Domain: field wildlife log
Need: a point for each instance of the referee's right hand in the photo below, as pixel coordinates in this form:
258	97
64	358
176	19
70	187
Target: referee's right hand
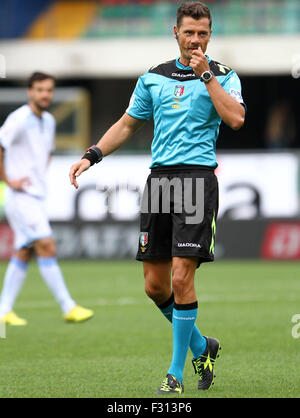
77	169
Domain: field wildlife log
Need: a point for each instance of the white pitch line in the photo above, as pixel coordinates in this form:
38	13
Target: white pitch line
130	301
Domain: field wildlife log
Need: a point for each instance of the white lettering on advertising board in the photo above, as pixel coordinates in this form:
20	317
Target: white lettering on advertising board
250	185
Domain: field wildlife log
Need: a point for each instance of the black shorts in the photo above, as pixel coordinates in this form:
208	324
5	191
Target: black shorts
179	213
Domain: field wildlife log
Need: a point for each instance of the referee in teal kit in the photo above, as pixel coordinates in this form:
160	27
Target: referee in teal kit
188	98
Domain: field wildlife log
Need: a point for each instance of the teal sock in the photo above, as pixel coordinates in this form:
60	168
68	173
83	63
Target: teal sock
198	342
167	308
183	321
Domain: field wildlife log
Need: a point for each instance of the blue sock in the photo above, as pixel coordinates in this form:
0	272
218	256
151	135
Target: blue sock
183	321
198	342
167	308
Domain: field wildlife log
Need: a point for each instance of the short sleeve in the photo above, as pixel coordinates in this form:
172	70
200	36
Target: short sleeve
53	136
233	87
140	105
9	131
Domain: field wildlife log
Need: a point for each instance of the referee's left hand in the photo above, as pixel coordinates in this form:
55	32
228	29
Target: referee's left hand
199	62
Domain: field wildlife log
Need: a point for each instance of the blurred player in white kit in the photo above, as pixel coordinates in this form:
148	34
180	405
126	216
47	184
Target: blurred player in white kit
27	139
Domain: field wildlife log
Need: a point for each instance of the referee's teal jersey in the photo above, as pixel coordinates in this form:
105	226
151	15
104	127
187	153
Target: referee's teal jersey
186	123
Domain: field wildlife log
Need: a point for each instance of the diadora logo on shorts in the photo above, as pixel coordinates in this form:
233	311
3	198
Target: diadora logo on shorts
188	244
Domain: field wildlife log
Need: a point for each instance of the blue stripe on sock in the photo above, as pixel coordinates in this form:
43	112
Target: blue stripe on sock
46	261
21	264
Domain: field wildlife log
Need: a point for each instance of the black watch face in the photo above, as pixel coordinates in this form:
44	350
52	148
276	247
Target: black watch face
206	76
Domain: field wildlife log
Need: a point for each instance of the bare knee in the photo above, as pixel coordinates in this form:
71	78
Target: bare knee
24	254
181	283
157	281
45	247
156	293
183	272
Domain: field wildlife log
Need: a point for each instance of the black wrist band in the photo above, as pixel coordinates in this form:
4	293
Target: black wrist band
93	154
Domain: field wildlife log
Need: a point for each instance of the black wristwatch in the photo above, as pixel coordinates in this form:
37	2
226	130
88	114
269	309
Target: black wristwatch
206	76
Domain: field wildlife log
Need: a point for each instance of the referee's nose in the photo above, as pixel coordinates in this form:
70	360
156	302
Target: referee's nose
195	40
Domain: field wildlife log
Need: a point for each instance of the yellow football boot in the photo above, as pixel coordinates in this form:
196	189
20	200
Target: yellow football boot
12	319
78	314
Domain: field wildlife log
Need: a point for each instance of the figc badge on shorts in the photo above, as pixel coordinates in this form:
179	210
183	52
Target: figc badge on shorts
143	241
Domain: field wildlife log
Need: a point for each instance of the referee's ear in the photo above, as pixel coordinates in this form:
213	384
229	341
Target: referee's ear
175	32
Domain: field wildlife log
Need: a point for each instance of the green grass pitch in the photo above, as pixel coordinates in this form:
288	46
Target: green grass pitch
125	350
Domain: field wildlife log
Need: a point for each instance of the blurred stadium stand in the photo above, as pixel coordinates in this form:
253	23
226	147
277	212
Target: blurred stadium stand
114	18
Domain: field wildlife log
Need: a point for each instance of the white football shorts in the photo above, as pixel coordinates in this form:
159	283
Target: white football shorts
27	217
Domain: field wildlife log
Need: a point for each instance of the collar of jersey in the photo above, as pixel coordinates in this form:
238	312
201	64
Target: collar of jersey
33	114
183	67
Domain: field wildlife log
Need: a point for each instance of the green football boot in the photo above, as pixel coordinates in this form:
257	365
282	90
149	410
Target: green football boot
204	365
170	386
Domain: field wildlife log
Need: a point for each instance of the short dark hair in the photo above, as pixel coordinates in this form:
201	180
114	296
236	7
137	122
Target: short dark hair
194	9
38	76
